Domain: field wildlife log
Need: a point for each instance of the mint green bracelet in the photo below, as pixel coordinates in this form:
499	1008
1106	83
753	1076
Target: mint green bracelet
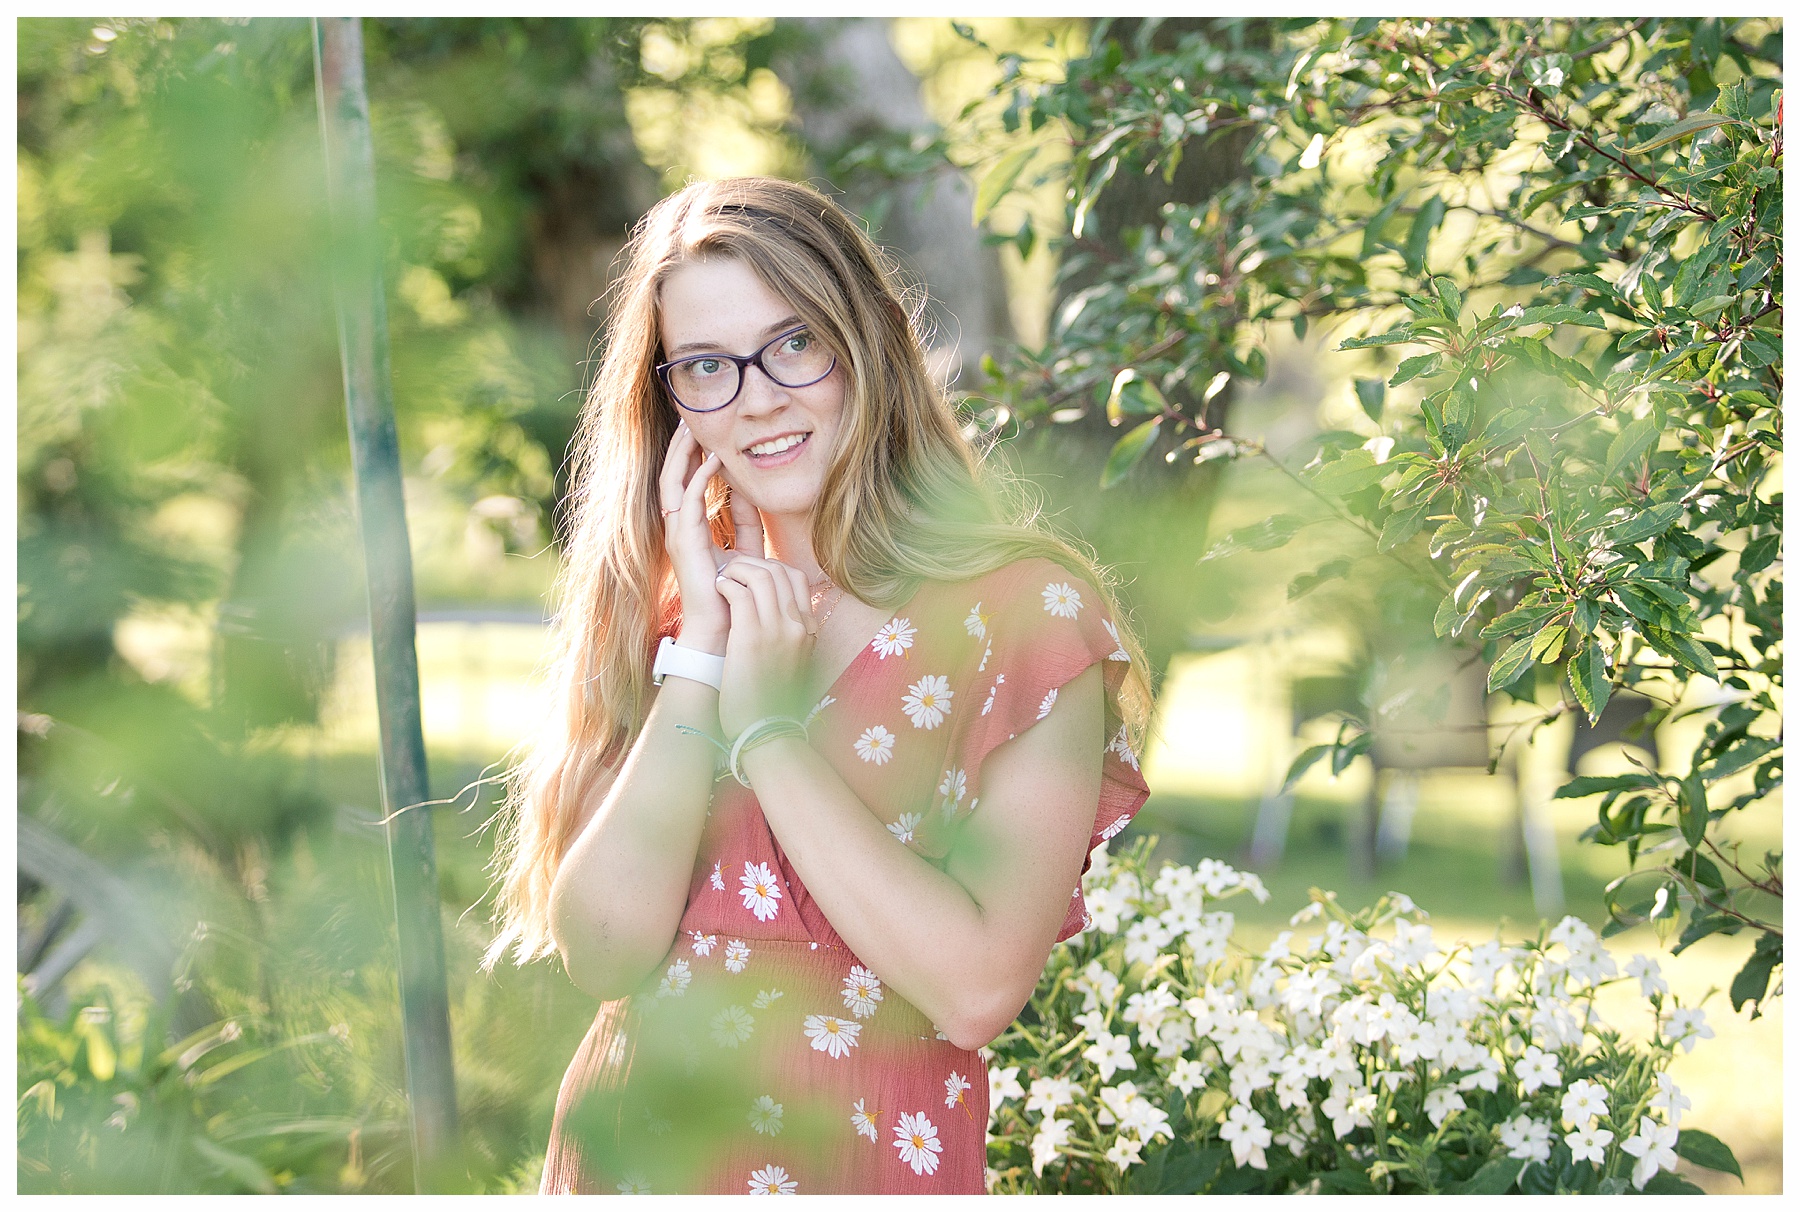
769	728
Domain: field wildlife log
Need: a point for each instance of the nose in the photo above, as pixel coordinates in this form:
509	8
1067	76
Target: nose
759	392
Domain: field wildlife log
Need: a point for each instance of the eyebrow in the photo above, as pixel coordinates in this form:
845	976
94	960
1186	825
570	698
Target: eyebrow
700	346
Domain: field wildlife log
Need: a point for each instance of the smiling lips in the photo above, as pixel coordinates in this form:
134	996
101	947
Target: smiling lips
781	449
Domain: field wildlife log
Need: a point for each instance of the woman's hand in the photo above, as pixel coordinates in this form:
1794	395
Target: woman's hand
768	653
688	539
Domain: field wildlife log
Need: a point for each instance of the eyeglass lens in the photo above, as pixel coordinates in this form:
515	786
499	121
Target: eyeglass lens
797	359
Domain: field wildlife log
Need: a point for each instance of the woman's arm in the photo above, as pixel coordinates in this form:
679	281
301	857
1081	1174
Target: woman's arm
965	945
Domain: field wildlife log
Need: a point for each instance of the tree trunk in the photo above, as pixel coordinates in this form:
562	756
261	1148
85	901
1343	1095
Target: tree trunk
849	87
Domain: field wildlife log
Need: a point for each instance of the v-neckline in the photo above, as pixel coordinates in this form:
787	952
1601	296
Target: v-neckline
867	646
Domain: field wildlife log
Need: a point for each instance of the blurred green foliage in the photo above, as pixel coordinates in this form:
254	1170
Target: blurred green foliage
1562	240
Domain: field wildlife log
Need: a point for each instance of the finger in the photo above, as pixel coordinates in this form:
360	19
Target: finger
755	576
677	465
693	497
746	524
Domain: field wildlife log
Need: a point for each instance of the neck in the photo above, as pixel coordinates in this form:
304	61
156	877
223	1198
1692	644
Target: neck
789	539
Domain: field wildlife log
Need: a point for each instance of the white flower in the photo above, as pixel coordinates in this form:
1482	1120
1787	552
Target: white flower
976	623
916	1139
902	829
1062	600
1124	1152
1555	1026
1582	1102
1173	1035
718	877
988	705
1649	975
1189	1075
894	638
1002	1085
1412	944
737	955
1688	1027
765	1115
1441	1103
1654	1147
1049	702
1144	941
1416	1039
766	998
1118	653
1110	1053
1574	934
1047	1145
817	707
1115	1102
876	744
861	991
1049	1093
1487	1077
772	1180
832	1036
927	701
1589	1144
1669	1098
863	1121
759	891
675	981
732	1026
954	786
1348	1110
1536	1068
1248	1133
633	1184
704	943
1524	1137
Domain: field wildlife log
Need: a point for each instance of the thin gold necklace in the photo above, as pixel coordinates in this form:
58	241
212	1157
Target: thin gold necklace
823	589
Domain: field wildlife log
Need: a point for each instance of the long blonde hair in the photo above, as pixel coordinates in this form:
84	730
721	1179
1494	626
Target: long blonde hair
906	499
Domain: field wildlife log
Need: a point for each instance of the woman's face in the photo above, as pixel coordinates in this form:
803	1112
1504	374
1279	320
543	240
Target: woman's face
775	442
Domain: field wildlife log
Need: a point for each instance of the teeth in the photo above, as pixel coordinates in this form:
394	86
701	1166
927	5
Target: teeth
776	445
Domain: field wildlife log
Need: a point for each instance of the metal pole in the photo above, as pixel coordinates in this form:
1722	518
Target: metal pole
381	510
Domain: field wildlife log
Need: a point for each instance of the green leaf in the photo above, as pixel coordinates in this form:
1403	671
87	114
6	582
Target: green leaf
1561	314
1759	553
1449	297
1587	678
1128	450
1693	124
1667	1182
1590	784
1412	368
1306	582
1693	809
1351	472
1651	522
1683	649
1132	393
1495	1178
999	179
1418	238
1705	1149
1402	526
1751	984
1512	662
1266	535
1546	645
1632	441
247	1171
1371	394
1300	765
1398	336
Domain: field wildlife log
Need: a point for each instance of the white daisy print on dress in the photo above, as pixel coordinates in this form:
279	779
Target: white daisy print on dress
954	786
675	980
759	891
902	829
876	745
633	1184
772	1180
718	876
1113	830
731	1026
976	623
765	1115
955	1086
1118	653
862	991
916	1139
865	1122
999	681
986	652
831	1035
1121	745
894	638
1049	702
766	998
819	706
1062	599
927	701
737	954
704	943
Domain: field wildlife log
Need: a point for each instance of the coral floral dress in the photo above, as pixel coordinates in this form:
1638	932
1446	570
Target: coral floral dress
768	1058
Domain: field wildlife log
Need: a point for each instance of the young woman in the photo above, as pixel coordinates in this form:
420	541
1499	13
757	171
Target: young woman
834	735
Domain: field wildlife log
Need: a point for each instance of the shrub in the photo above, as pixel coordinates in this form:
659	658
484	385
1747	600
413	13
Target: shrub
1159	1055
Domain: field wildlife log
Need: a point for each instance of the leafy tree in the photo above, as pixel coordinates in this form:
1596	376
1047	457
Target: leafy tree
1560	242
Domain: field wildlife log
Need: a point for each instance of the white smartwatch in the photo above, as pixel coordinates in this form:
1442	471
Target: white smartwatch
696	666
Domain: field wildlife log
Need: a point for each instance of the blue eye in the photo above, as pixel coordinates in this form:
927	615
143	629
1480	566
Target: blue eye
705	366
797	343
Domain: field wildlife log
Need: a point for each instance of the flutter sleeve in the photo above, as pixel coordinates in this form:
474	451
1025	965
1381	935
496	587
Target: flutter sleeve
1036	626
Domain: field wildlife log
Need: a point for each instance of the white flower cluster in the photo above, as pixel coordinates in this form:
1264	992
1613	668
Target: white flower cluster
1154	1024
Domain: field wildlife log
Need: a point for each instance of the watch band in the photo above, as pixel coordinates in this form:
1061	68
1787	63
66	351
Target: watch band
696	666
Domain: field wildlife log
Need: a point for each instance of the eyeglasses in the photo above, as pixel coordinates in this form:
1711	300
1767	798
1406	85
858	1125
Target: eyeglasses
709	382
